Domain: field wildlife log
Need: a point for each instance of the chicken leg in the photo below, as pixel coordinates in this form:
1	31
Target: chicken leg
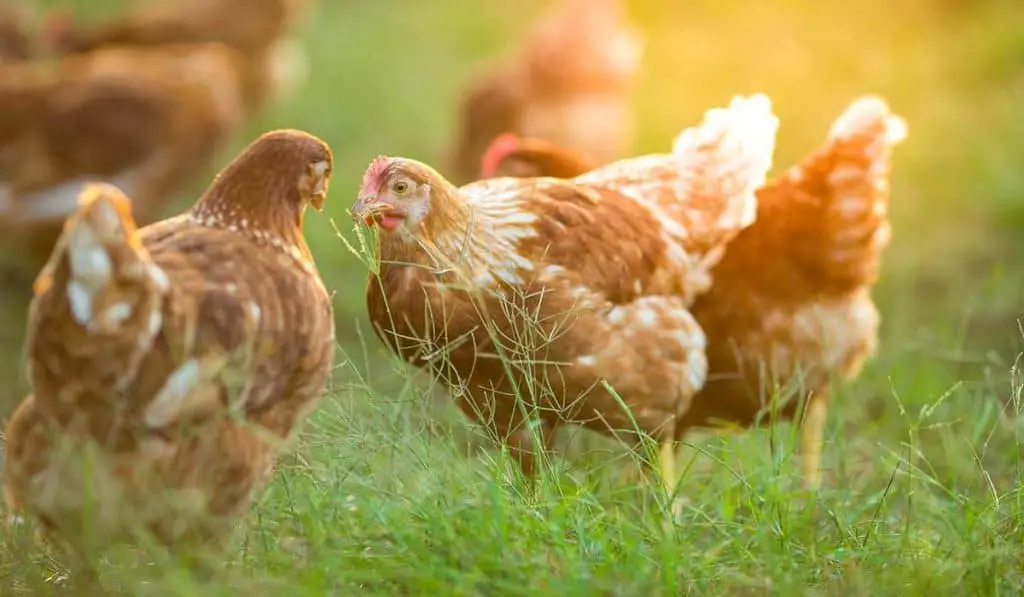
667	468
521	447
812	433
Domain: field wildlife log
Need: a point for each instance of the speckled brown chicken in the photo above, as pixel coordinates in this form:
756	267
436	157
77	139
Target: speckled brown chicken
177	357
536	292
148	121
569	82
257	29
789	306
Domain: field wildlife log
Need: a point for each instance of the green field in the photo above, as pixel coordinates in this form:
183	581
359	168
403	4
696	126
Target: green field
391	493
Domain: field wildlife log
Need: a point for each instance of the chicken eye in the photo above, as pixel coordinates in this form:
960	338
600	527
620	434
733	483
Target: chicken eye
400	187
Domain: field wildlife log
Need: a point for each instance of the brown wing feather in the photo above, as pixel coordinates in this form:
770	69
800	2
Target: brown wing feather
610	240
273	323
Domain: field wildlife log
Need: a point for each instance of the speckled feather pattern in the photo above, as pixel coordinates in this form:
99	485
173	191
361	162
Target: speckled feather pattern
184	353
791	306
575	282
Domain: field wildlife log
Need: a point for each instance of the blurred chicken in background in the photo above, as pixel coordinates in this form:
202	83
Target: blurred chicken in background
148	120
258	29
568	83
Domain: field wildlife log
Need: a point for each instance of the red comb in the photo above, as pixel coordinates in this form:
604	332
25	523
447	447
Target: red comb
373	174
500	148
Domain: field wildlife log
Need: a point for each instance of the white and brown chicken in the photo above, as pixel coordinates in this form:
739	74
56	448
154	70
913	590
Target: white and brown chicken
562	296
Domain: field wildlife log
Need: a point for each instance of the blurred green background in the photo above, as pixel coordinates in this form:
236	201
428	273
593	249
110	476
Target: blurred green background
384	77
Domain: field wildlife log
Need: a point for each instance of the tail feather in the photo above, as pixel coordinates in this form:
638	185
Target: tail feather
870	113
101	226
850	178
860	146
97	305
724	160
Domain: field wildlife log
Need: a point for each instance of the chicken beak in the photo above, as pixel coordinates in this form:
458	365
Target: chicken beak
368	206
360	210
318	200
321	182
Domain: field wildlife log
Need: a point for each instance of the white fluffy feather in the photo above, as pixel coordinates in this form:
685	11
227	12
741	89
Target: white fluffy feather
729	155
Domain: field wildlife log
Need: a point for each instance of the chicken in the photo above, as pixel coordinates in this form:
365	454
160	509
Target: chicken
557	291
177	357
568	83
146	120
790	302
257	29
806	314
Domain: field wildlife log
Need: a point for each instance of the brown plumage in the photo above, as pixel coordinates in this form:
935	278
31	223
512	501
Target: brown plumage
256	29
568	83
146	120
178	356
791	303
789	306
16	40
541	289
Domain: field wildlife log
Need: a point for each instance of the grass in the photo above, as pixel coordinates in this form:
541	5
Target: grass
389	492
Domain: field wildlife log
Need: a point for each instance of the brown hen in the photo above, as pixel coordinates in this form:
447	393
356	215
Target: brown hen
568	83
176	357
790	306
257	29
145	120
563	295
